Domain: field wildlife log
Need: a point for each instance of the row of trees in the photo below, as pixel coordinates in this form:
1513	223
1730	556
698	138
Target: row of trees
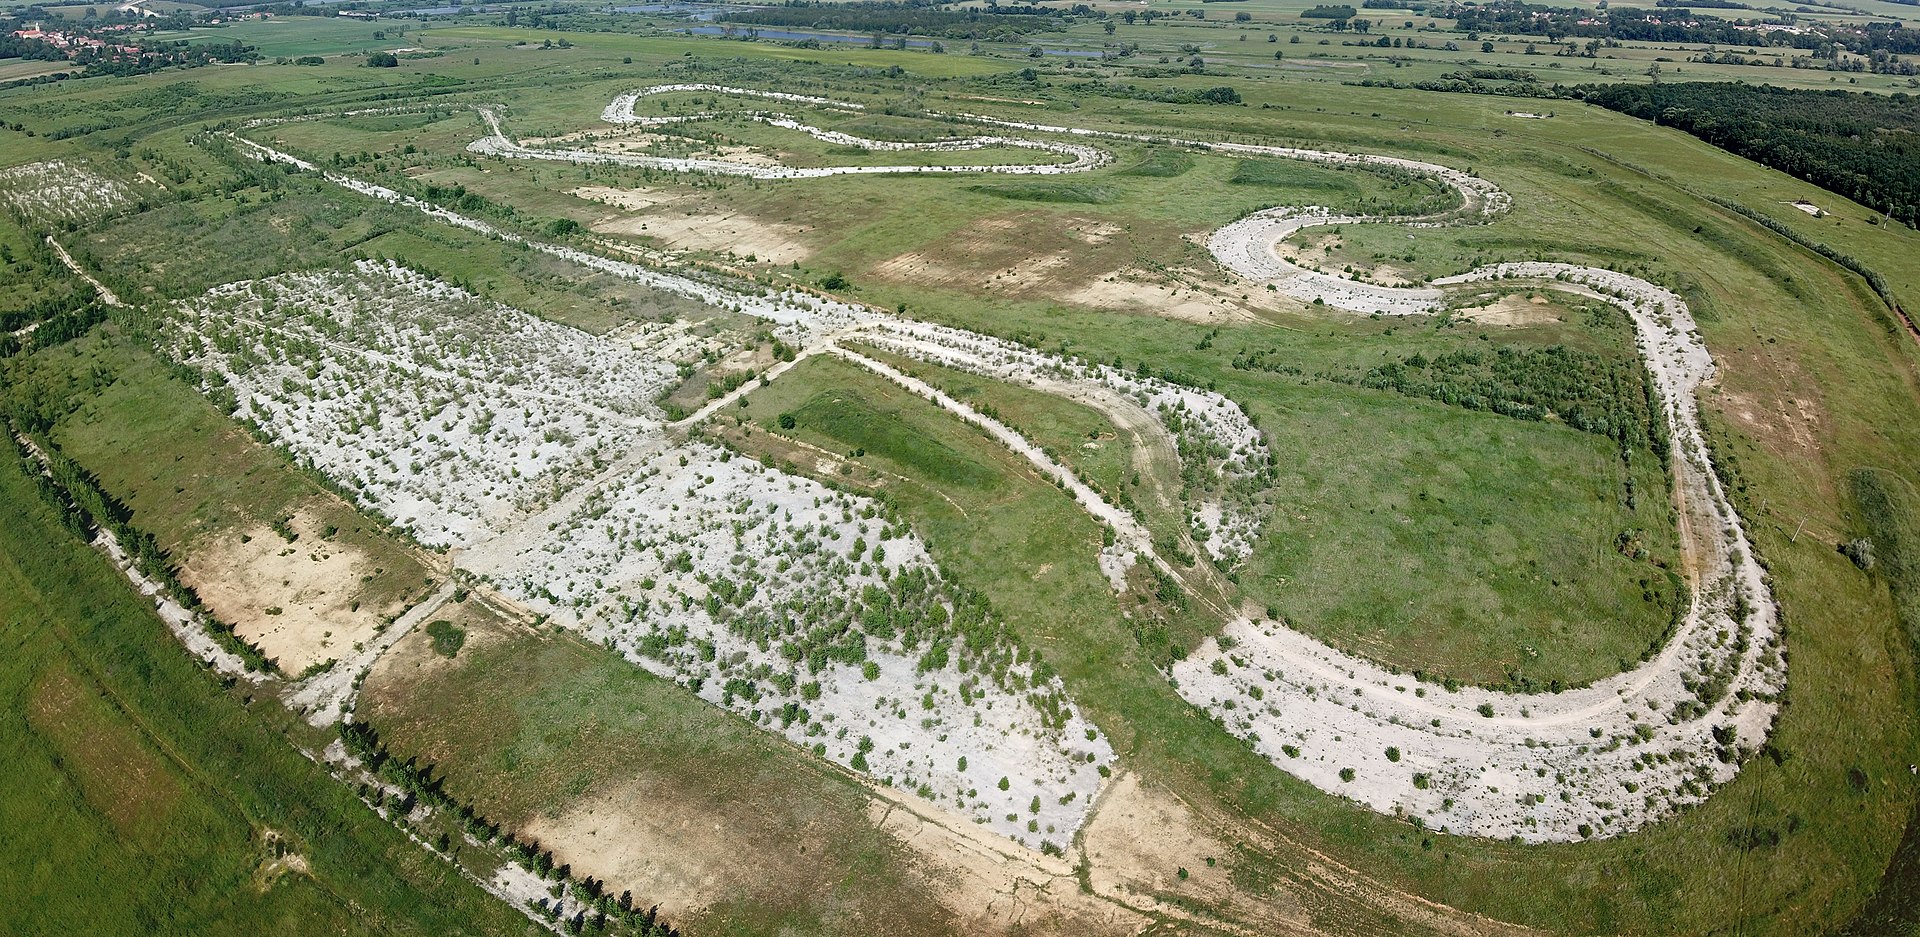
418	785
85	507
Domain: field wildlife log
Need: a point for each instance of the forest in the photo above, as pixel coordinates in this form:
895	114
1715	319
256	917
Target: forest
1862	146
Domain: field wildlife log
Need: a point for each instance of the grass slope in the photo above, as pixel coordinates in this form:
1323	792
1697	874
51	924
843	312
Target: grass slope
137	795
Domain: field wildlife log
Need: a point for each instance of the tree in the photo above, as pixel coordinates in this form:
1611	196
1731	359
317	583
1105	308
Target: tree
383	60
1486	47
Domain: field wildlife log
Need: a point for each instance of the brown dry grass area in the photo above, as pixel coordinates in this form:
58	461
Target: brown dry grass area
691	394
1017	254
118	775
300	601
689	849
1767	394
1082	260
625	199
413	658
1184	295
1329	253
1514	310
736	233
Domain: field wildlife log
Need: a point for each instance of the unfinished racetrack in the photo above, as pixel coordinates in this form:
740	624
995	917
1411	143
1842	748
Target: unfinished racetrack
1594	761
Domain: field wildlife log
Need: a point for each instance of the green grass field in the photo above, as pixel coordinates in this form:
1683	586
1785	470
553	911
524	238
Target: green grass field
142	798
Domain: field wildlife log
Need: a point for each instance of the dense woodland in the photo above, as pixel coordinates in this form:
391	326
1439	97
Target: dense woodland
1863	146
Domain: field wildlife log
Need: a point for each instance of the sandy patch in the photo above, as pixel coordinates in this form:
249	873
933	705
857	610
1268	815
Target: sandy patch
298	601
646	836
992	889
1512	310
1092	231
730	232
1139	839
1136	290
629	199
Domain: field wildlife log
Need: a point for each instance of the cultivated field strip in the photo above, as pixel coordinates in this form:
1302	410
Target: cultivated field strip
1595	761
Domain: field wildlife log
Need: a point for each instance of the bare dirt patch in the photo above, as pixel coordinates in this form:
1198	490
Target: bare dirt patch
1136	290
728	232
1020	254
300	601
992	888
629	199
1142	841
1517	309
414	658
1080	260
647	836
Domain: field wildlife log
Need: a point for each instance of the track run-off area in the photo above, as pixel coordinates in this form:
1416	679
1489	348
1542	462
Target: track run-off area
1594	761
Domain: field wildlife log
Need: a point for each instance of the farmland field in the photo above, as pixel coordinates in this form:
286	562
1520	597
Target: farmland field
926	470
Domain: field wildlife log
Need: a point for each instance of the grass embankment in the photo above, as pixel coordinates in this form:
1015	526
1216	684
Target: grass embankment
1891	511
139	797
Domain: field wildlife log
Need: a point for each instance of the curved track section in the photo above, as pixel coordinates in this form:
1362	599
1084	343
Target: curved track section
1079	158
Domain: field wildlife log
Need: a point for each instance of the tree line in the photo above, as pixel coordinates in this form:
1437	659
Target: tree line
1863	146
910	18
417	784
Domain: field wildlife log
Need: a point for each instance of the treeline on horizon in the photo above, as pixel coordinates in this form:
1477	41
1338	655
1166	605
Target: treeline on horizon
1863	146
1675	22
912	17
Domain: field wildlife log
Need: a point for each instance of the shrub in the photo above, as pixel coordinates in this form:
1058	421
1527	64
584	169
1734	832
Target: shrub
447	638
